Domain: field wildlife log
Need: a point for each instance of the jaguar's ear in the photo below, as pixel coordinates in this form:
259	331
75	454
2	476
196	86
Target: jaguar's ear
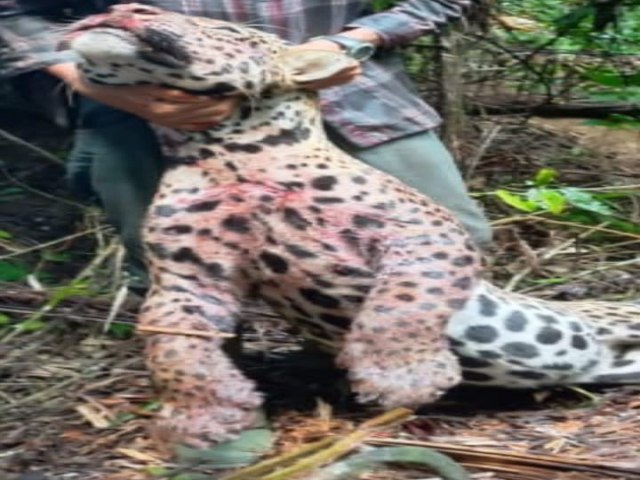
306	66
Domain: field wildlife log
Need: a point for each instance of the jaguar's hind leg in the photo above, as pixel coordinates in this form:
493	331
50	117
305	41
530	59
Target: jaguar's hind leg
397	352
510	340
617	327
620	366
614	323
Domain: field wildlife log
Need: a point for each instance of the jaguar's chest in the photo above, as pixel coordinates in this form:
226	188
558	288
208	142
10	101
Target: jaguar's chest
308	255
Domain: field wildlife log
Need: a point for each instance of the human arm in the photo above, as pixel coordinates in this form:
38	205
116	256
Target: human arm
159	105
393	27
409	20
27	41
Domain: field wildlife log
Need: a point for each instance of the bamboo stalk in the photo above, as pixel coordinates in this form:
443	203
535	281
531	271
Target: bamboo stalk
336	448
254	470
341	447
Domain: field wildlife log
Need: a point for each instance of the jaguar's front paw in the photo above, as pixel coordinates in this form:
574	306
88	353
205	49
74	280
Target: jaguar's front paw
400	381
200	424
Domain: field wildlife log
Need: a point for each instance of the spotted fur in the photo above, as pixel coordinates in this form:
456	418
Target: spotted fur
264	204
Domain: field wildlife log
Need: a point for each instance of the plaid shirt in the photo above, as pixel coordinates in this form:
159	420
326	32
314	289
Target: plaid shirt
379	106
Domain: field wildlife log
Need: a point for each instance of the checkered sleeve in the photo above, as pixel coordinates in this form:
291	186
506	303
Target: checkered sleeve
28	43
411	19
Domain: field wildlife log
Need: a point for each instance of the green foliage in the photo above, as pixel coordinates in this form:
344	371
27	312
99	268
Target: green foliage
616	121
11	193
30	325
382	4
124	417
244	450
249	447
122	331
13	270
578	25
606	30
611	86
569	203
35	322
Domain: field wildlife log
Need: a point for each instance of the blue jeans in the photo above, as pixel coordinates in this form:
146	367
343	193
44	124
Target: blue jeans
116	160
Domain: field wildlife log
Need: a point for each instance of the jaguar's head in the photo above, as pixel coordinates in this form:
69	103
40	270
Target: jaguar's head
137	44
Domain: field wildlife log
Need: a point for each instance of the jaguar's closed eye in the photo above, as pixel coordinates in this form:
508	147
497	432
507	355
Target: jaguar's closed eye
228	28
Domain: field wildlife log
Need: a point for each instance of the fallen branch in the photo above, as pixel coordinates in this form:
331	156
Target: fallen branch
542	108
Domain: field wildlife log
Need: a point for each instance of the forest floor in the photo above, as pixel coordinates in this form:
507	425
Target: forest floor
75	399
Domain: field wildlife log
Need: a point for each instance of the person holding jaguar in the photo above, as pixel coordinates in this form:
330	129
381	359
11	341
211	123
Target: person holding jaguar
372	112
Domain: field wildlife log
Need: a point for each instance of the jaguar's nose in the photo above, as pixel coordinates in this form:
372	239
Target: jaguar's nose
135	9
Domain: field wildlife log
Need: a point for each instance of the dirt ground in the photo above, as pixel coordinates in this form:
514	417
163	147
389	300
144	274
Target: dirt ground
622	147
76	403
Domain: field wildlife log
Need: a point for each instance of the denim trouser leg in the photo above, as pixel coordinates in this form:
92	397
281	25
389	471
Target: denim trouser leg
117	156
424	163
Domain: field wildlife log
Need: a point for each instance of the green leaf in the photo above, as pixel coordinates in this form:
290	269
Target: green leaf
122	331
585	201
548	199
616	122
574	17
73	289
611	78
4	320
52	256
246	449
157	471
13	271
28	326
545	176
623	225
549	281
7	192
626	95
381	4
5	235
516	201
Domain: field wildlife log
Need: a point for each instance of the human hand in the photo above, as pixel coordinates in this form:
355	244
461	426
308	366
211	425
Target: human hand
342	77
164	106
160	105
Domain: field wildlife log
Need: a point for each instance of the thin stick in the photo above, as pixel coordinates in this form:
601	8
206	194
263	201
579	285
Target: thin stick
486	142
42	395
40	193
43	153
525	218
517	278
147	330
52	242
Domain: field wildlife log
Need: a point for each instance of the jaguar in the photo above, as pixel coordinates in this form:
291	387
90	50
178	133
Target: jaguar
263	204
